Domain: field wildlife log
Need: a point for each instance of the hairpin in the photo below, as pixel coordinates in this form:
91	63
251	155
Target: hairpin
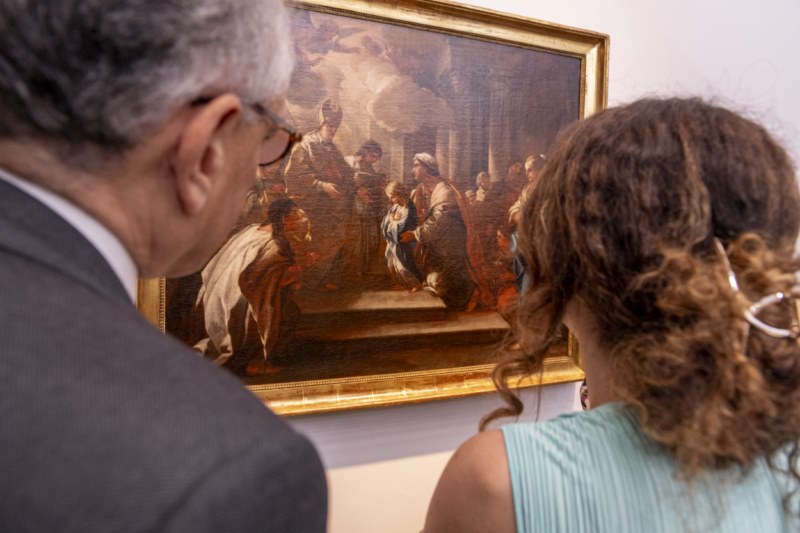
751	313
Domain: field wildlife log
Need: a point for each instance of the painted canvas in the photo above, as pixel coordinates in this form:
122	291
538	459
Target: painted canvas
382	246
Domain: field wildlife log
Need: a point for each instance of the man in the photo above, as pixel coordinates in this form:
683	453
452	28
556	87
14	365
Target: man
484	215
321	182
267	187
369	207
533	165
442	237
515	177
129	132
247	307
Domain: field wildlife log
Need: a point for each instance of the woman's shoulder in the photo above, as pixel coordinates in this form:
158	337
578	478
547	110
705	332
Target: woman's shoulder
474	492
600	434
603	464
603	419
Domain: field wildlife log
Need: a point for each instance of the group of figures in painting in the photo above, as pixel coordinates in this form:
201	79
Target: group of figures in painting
320	222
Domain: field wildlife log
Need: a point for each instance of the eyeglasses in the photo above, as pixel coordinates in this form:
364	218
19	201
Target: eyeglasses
279	139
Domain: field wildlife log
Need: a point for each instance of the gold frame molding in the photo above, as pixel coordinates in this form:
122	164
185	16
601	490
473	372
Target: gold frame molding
328	395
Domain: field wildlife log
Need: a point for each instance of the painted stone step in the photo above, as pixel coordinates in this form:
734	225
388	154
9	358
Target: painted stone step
480	327
336	309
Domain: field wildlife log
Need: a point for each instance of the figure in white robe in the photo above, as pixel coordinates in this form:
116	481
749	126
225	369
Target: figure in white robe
321	182
246	289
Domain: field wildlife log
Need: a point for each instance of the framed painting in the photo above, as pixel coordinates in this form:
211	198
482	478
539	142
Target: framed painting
372	266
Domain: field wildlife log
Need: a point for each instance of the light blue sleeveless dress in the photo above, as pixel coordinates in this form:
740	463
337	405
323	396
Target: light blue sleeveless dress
596	471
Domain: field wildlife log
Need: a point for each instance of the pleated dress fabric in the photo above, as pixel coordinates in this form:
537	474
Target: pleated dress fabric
596	471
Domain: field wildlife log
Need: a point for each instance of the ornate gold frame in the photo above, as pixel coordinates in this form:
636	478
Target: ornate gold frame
390	389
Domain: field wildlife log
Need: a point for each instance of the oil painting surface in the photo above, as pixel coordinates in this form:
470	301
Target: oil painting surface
384	242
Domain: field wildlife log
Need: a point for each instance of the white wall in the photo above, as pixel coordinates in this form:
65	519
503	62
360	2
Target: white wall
383	463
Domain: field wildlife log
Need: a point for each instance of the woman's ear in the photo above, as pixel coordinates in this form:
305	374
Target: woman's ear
199	157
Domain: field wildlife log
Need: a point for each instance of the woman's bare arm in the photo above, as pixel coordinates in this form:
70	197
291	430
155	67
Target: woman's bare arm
474	492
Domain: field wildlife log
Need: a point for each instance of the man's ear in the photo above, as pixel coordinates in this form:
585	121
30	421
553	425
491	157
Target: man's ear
199	156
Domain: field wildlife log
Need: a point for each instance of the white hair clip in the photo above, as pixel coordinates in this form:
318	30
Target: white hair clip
751	313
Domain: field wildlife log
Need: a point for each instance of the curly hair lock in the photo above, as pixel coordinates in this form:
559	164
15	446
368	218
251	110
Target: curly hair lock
624	217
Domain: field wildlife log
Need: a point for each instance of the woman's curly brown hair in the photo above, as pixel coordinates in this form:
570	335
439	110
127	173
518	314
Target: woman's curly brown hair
625	217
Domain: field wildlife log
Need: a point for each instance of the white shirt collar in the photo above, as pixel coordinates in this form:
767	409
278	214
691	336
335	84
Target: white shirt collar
103	240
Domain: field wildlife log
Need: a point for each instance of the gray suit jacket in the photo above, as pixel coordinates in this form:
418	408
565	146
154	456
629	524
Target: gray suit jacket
107	425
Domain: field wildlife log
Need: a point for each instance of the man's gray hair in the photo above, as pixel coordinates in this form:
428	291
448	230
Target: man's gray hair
101	75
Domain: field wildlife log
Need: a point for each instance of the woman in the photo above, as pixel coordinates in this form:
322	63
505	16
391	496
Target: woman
401	216
445	236
662	233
